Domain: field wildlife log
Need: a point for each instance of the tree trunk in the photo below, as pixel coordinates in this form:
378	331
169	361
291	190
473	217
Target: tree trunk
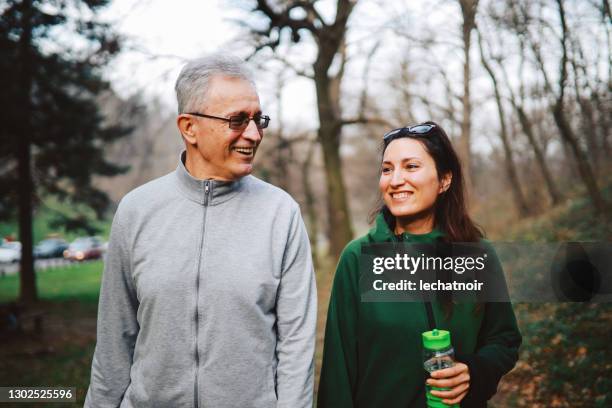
330	43
283	150
468	10
28	293
582	162
590	131
567	134
588	116
339	227
527	127
519	198
605	123
329	134
311	211
338	217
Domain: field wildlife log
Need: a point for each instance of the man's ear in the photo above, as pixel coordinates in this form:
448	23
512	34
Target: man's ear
445	182
187	126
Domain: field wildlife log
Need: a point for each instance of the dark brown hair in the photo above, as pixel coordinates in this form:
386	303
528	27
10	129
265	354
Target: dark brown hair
451	215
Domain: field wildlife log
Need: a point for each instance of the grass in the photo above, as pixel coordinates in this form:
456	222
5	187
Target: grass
61	354
73	282
61	362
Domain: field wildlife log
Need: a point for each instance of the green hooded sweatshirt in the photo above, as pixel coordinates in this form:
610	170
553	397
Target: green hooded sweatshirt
373	350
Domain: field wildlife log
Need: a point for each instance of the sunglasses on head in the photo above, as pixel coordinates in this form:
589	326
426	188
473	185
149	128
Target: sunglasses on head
409	130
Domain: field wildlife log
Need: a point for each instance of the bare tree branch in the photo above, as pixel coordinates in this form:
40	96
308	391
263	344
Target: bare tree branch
282	19
298	71
364	120
366	72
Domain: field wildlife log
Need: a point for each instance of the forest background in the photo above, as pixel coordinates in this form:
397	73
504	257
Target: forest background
522	87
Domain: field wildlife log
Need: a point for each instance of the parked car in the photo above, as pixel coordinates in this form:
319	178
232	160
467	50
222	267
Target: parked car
84	248
50	248
10	252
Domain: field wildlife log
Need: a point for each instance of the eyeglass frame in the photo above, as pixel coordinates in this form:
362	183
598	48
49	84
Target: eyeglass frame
411	130
245	123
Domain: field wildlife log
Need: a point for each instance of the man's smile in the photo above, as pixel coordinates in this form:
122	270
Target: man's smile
245	151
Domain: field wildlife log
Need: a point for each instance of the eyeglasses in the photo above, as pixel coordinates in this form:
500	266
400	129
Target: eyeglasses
239	122
411	130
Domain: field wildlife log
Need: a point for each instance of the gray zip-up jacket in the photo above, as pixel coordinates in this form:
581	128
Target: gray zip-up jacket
208	299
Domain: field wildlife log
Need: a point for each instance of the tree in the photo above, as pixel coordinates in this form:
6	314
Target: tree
519	198
330	41
52	131
468	11
309	199
558	101
516	22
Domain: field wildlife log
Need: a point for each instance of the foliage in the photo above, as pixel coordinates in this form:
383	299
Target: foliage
49	109
565	358
53	133
566	348
46	213
572	221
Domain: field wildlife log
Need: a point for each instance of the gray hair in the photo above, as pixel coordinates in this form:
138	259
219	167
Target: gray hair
192	83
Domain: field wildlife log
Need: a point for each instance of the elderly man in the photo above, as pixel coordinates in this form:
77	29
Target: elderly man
208	296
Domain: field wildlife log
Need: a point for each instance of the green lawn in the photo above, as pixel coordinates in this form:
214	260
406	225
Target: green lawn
61	354
78	281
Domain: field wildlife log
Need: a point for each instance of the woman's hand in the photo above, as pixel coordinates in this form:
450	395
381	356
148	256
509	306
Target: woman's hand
455	378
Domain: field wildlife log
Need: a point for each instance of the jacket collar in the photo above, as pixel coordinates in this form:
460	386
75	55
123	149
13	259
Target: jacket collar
382	233
195	189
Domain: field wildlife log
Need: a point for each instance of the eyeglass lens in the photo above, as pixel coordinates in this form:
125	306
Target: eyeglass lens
420	129
239	122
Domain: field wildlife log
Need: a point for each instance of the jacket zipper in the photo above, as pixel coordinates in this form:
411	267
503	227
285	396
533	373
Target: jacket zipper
197	320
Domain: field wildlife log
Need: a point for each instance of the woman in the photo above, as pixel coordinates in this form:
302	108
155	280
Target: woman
372	353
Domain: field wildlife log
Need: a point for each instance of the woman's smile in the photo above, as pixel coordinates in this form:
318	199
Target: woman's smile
401	196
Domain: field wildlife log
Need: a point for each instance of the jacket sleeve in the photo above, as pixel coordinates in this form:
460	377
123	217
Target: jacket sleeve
337	385
497	347
117	327
296	310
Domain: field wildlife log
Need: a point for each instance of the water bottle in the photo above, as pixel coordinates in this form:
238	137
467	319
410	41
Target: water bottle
437	355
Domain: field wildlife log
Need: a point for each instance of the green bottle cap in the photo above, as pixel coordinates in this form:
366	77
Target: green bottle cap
436	339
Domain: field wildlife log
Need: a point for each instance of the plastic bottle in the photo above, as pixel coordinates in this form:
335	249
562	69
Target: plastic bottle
438	354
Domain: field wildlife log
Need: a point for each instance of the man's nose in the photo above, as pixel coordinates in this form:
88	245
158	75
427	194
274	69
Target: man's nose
397	179
252	132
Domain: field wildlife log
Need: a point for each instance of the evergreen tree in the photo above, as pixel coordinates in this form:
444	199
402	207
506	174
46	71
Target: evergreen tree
52	133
